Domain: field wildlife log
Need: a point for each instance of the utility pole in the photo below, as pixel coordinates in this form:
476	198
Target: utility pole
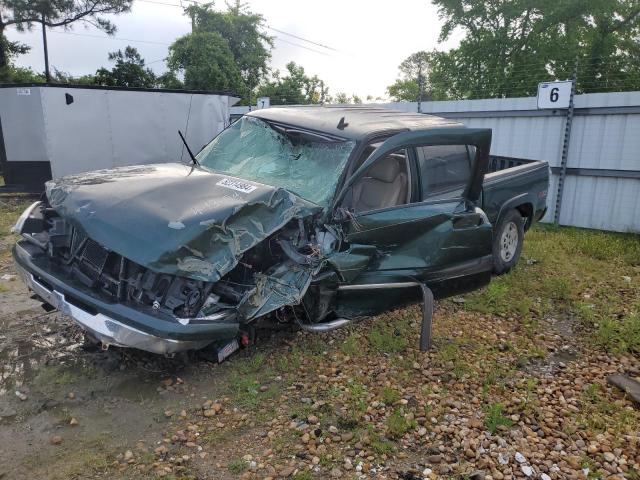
47	73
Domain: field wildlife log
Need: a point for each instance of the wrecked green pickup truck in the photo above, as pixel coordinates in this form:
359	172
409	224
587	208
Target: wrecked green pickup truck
313	216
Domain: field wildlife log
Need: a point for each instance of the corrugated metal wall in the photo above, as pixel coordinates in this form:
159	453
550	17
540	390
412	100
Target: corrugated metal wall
605	140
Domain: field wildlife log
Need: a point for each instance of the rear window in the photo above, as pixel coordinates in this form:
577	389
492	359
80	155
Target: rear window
445	170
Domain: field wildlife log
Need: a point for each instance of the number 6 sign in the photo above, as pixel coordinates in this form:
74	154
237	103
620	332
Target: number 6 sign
554	94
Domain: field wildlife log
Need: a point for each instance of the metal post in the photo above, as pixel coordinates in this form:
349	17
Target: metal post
420	81
427	318
47	74
565	148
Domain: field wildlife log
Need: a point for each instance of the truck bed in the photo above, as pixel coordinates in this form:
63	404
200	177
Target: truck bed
515	183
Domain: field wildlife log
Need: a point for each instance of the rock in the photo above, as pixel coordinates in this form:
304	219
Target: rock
286	471
55	440
422	431
209	413
128	455
21	396
527	470
609	457
627	384
544	476
346	437
168	413
503	459
520	458
71	395
434	459
336	472
312	419
73	422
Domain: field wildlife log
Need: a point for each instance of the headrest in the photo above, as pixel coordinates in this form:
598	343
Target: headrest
386	169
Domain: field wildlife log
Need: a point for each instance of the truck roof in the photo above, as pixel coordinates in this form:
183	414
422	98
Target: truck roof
360	121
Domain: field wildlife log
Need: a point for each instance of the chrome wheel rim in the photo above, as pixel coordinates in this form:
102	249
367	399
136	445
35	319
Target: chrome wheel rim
509	242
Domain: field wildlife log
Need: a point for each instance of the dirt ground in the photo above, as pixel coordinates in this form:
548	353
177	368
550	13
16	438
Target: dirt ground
514	386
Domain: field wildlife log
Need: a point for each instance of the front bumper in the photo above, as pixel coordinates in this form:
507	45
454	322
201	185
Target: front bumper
114	323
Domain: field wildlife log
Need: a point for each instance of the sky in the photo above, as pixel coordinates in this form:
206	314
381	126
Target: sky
368	39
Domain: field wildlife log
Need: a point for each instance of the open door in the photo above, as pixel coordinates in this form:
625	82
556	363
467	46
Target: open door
439	237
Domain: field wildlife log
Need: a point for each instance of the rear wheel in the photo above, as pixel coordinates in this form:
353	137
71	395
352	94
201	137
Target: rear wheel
507	242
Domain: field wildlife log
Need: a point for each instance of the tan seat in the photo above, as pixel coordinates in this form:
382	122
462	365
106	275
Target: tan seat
384	185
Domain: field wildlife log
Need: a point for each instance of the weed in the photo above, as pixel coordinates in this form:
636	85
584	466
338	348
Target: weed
390	396
600	414
351	346
250	364
306	475
398	425
289	362
356	404
493	417
620	336
387	340
449	352
557	288
378	444
246	391
238	466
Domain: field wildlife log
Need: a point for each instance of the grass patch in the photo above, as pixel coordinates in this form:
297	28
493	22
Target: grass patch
246	391
390	396
351	346
398	425
238	466
289	362
619	336
493	418
386	340
599	414
378	444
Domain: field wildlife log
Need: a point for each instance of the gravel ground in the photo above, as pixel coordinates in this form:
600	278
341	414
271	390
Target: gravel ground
515	386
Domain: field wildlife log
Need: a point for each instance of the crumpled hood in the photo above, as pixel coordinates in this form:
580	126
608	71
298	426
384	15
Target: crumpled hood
174	218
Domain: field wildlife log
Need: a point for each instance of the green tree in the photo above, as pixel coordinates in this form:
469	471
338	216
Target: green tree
129	71
341	98
296	88
170	80
511	45
206	61
241	29
416	79
25	14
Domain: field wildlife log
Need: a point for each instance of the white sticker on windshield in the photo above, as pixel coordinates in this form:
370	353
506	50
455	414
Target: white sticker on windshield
237	185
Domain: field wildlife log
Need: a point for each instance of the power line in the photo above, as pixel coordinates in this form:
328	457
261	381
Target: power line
108	37
282	32
303	39
302	46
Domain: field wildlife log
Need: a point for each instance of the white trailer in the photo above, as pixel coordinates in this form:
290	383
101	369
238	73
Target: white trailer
47	131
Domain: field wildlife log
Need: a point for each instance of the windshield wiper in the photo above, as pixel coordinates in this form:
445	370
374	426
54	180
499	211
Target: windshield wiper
193	158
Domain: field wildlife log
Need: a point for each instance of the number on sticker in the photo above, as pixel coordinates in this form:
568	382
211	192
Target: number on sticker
553	96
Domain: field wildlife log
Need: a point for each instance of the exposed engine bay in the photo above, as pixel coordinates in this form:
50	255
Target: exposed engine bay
297	247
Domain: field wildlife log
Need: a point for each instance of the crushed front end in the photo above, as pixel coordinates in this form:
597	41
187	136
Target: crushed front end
122	303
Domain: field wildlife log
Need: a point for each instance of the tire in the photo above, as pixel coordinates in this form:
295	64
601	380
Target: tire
507	242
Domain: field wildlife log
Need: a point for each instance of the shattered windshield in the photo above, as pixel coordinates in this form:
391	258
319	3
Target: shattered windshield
305	163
